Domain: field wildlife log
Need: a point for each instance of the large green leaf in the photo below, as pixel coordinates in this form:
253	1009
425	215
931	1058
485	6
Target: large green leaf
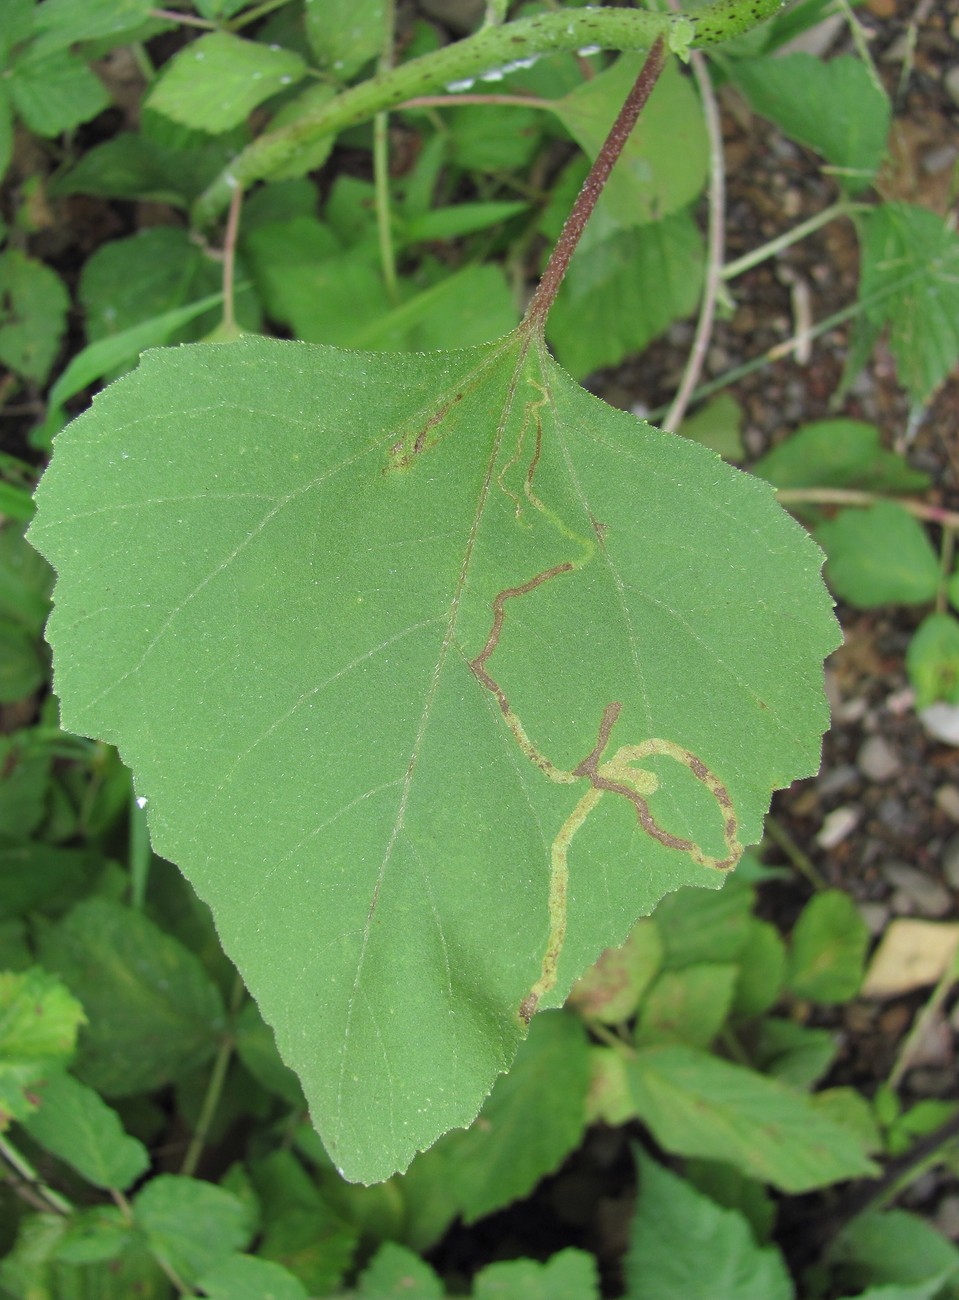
379	634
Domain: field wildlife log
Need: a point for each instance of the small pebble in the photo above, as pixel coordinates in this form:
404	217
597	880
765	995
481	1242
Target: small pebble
837	825
941	721
877	760
947	800
837	780
916	891
951	83
946	1217
950	861
875	915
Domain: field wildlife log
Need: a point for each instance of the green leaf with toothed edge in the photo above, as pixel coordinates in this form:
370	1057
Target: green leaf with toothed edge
385	639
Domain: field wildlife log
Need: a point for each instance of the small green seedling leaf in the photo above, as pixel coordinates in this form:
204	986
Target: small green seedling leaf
214	83
894	1247
397	1272
794	1054
153	1011
610	991
726	1264
718	425
568	1275
345	37
244	1277
73	1123
447	629
695	927
39	1020
910	282
838	453
532	1120
191	1226
932	660
836	108
604	310
698	1105
687	1006
55	92
761	969
300	1228
33	314
879	556
828	949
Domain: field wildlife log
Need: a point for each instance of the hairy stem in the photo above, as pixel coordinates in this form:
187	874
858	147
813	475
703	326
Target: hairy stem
491	47
593	185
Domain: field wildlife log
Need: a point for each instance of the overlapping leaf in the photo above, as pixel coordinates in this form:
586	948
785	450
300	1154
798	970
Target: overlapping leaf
346	615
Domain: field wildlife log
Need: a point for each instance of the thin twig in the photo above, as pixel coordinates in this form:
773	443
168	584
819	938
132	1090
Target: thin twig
453	101
188	20
381	165
823	496
800	860
911	1043
715	245
790	237
214	1089
229	259
542	300
28	1183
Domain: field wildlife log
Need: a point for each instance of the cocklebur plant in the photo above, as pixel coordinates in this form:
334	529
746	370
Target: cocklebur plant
434	672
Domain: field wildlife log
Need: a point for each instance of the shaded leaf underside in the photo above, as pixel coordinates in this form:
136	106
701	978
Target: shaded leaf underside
319	599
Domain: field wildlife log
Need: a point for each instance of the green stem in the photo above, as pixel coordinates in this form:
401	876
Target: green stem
214	1088
923	1021
492	47
784	241
381	167
800	860
28	1182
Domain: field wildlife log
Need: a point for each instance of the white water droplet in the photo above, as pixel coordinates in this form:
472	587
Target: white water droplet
141	801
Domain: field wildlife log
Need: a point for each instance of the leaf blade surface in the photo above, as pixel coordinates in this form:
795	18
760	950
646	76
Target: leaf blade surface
280	567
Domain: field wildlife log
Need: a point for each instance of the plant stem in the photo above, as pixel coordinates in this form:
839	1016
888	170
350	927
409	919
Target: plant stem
714	245
493	46
454	101
800	860
545	295
923	1021
188	20
381	167
214	1088
947	554
252	15
229	259
30	1185
784	241
827	496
